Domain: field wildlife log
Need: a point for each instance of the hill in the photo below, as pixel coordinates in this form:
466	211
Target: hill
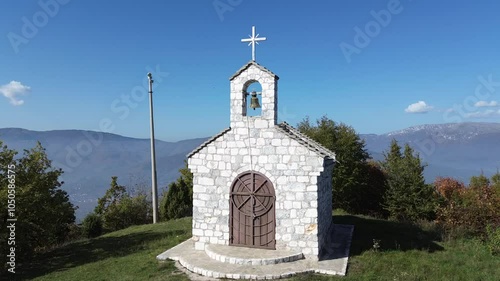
89	160
405	252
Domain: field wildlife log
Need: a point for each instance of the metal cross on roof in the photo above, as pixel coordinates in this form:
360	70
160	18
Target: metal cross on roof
253	40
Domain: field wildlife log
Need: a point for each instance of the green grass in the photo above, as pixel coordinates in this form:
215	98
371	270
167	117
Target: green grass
128	254
410	253
406	253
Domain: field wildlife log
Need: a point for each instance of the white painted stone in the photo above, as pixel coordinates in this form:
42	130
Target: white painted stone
273	159
204	197
262	159
299	229
311	188
195	161
198	203
311	213
286	159
206	181
199	188
281	180
198	232
302	191
260	124
303	179
286	237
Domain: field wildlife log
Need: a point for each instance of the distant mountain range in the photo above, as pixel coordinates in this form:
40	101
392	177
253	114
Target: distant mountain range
458	150
89	159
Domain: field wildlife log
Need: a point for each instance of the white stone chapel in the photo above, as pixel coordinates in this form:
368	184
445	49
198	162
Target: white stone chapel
260	184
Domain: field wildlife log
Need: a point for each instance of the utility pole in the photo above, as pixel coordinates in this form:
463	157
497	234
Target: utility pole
153	157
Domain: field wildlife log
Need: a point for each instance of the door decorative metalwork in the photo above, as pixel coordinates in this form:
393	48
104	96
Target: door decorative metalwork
252	220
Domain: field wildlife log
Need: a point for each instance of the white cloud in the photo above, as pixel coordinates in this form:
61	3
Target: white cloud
484	114
418	107
13	90
483	103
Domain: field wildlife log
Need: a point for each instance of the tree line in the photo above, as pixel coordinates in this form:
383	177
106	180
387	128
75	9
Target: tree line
395	188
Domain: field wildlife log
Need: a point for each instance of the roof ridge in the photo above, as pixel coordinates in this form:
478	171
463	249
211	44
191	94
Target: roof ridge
244	67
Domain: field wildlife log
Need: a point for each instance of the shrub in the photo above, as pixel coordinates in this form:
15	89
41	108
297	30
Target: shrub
177	203
493	239
449	188
92	225
468	211
118	209
127	212
75	232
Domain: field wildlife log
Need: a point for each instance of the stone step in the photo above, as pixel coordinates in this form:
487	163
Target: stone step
240	255
199	262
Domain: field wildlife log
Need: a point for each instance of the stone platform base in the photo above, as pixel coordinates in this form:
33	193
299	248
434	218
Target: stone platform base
219	261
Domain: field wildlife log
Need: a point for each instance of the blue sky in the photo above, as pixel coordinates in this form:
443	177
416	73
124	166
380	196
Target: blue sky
378	66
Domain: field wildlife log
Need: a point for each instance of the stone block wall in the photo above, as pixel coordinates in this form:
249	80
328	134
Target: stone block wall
295	171
239	85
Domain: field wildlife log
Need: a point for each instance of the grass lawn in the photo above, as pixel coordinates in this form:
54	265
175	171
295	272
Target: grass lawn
405	253
128	254
410	253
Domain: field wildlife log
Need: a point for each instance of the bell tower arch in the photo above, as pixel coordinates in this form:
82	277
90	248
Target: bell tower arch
250	73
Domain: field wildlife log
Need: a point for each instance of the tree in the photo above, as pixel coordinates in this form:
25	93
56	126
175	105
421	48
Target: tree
177	202
113	195
408	197
43	209
449	188
351	182
92	225
478	182
373	196
495	183
118	209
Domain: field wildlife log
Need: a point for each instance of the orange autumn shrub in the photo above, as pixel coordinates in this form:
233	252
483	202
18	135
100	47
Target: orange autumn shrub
467	211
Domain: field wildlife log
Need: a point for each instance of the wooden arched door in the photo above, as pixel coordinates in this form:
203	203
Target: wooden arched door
252	213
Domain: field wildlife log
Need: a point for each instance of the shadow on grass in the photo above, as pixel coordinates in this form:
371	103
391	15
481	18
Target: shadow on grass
88	251
389	235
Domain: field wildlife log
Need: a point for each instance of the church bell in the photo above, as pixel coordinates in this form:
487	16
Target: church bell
254	101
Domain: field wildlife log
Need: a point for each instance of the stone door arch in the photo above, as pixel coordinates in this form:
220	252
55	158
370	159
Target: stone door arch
252	220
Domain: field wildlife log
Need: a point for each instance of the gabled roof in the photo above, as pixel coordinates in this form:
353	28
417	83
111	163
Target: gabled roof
305	140
207	142
288	130
243	68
